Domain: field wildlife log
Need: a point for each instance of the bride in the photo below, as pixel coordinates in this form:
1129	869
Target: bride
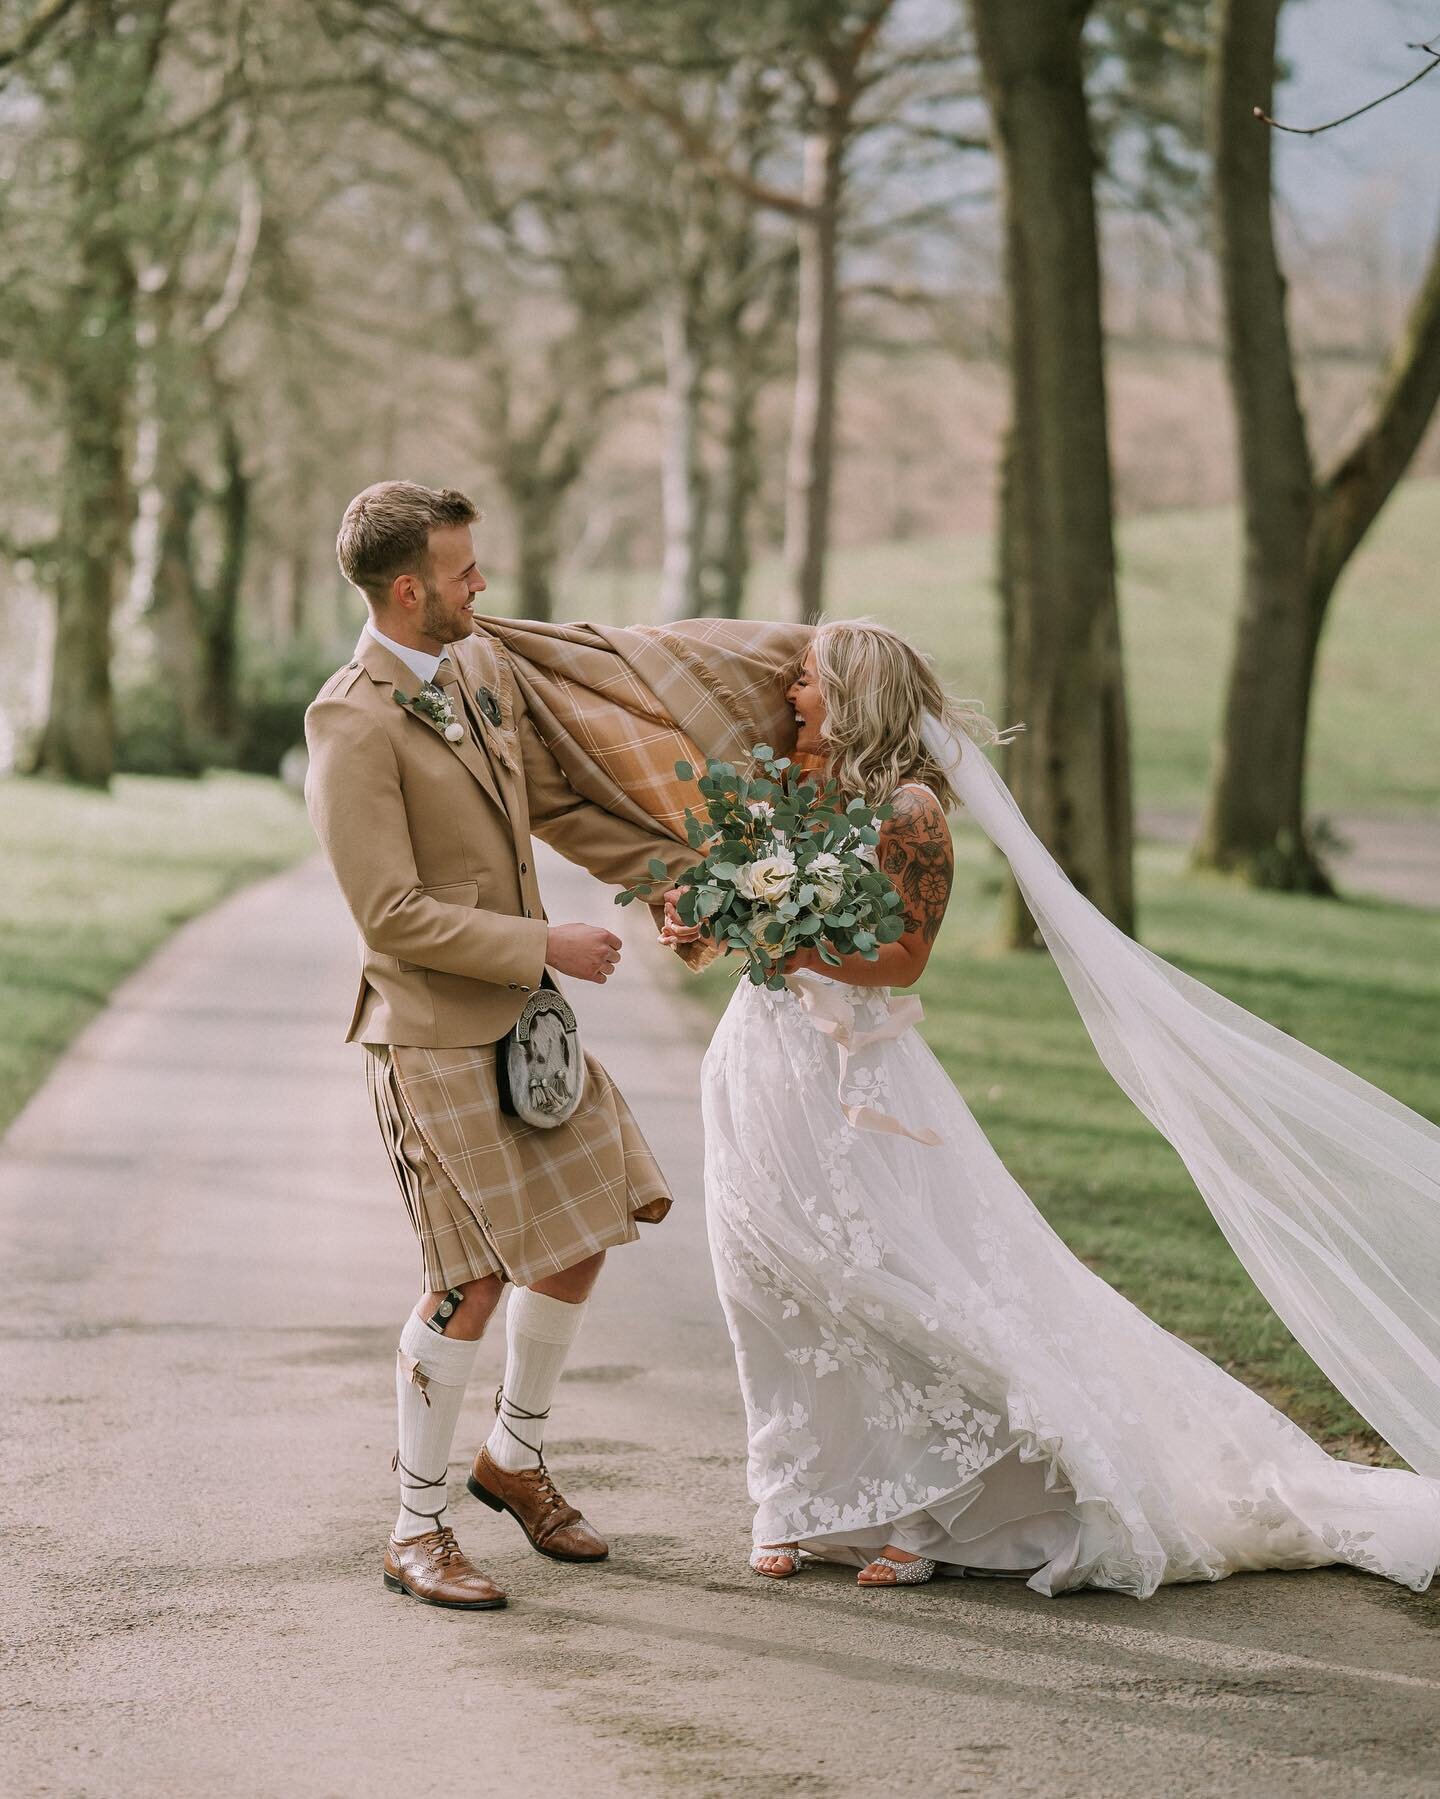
932	1381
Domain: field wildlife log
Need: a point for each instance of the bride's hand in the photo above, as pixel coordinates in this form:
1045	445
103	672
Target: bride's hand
799	959
673	933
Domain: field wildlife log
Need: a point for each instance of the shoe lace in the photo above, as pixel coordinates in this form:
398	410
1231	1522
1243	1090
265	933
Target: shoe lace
445	1550
549	1493
505	1410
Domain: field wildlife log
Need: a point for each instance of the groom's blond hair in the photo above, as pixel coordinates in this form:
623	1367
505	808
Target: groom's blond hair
386	532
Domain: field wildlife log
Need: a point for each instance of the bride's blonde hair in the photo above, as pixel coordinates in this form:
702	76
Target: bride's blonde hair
877	689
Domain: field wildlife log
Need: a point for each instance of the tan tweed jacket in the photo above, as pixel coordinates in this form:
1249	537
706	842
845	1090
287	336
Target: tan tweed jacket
430	844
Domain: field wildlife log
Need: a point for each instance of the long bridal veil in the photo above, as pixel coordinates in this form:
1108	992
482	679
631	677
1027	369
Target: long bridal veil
1326	1188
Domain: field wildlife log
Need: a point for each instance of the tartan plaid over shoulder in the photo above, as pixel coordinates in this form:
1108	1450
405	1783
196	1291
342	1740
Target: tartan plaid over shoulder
619	705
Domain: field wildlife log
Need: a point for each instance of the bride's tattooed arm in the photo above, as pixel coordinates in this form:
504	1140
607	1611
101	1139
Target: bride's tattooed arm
917	854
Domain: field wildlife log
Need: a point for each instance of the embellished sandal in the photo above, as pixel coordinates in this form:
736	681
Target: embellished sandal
907	1574
778	1552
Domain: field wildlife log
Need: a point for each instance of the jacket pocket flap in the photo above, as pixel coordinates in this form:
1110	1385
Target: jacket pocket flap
455	893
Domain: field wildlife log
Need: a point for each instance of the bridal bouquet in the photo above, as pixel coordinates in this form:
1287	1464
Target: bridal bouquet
785	864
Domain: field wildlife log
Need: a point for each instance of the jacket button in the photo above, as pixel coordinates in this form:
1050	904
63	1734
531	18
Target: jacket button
524	868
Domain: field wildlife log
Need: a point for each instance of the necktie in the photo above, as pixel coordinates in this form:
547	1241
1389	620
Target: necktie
448	677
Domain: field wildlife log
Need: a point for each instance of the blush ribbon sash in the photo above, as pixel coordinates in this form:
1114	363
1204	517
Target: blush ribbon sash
829	1009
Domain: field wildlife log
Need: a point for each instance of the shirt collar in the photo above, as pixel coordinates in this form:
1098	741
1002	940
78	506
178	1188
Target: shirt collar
423	666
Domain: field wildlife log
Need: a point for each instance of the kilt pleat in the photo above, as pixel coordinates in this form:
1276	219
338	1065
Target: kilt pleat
488	1194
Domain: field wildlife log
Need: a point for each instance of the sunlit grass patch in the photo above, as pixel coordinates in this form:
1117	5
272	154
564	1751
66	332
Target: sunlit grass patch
94	882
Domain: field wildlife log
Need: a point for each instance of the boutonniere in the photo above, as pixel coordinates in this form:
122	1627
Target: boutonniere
433	704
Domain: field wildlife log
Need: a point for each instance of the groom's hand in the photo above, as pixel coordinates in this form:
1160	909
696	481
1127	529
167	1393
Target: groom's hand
583	950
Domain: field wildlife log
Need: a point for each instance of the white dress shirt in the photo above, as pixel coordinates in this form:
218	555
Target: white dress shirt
422	665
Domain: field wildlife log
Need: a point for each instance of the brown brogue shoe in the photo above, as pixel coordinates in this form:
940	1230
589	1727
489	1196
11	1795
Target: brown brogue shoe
532	1499
436	1569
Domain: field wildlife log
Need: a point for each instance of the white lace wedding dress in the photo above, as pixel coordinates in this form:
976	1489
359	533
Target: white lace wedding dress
925	1363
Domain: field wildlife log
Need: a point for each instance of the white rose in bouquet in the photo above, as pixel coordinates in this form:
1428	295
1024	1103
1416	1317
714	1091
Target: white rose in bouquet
784	861
826	874
769	880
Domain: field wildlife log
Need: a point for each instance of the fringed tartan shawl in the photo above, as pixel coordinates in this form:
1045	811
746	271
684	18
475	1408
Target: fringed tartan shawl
619	705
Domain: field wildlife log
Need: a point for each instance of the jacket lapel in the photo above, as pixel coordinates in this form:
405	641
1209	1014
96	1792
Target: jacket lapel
481	665
387	669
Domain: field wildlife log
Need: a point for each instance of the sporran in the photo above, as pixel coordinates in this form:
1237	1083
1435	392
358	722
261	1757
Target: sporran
539	1065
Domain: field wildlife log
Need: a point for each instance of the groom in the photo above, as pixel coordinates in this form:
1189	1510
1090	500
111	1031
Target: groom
426	779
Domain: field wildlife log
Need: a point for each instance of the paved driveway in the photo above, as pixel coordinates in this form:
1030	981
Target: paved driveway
205	1266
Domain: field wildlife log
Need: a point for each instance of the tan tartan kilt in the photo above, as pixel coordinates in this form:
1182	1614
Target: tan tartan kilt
488	1194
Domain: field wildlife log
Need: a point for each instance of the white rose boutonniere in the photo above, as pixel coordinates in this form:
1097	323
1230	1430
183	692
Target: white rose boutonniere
433	703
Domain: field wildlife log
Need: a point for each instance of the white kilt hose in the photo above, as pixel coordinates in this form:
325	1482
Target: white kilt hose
488	1194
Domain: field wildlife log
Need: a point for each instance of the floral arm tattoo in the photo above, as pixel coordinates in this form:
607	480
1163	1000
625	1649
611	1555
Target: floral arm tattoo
917	854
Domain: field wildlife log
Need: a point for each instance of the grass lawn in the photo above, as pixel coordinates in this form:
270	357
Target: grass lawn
93	883
1359	981
1376	730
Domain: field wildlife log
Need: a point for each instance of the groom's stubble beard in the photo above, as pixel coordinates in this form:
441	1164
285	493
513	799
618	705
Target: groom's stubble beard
437	621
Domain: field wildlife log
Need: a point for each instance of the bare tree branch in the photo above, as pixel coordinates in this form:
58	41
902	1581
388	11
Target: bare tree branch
1353	493
242	260
1429	50
692	141
551	51
35	33
233	93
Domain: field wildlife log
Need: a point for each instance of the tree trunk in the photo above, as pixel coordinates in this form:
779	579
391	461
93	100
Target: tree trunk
535	505
220	638
78	742
737	481
1070	769
1299	533
292	613
175	612
740	358
810	467
682	478
97	351
1255	818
